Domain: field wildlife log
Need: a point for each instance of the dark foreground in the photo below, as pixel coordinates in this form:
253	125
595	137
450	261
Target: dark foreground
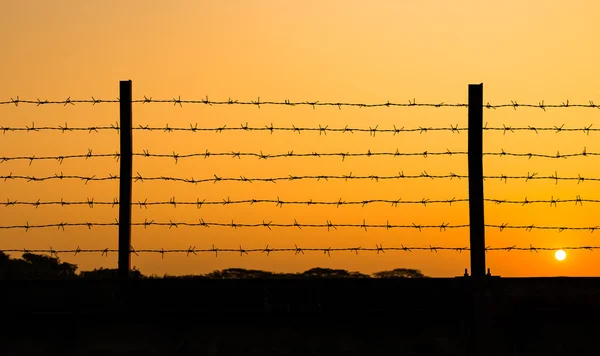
431	316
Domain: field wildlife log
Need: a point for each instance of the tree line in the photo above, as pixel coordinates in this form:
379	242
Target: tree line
32	266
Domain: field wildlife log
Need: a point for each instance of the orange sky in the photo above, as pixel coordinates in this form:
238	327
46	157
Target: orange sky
327	51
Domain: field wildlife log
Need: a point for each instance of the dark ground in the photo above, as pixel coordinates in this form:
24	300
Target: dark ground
423	316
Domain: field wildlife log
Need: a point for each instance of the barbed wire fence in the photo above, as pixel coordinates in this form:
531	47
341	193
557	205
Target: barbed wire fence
125	204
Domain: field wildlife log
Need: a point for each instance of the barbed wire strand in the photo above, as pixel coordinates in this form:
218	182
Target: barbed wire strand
329	225
176	156
401	175
514	104
280	203
298	250
320	129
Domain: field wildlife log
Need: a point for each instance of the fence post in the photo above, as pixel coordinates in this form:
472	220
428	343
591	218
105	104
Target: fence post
479	327
475	158
125	182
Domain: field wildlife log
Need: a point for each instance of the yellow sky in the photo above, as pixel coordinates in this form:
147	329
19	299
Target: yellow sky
327	51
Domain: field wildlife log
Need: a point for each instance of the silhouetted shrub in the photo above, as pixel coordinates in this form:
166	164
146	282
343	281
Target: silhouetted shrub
109	273
239	273
32	266
400	273
319	272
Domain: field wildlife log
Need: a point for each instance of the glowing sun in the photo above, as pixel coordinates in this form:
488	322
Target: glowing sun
560	255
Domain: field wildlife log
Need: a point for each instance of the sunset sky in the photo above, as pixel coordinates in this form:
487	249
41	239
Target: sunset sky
304	51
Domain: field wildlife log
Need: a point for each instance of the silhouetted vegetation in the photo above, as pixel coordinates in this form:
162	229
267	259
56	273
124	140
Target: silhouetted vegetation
239	273
108	273
332	273
31	266
400	273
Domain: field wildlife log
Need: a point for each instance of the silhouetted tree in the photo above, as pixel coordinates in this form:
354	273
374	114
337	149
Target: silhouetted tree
32	266
4	258
109	273
400	273
239	273
186	276
4	265
46	266
319	272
